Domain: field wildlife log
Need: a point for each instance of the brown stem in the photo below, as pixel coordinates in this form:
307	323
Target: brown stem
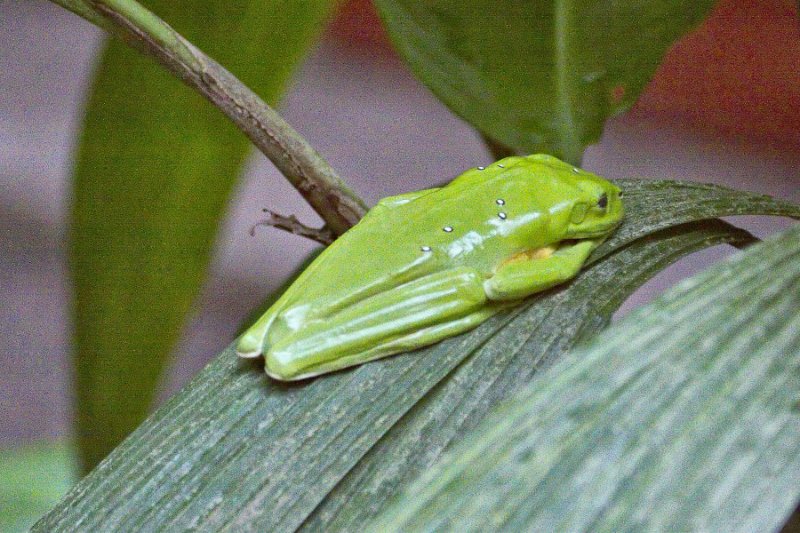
305	169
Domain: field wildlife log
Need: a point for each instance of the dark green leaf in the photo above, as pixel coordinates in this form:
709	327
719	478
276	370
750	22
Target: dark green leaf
682	417
502	366
538	75
235	450
155	168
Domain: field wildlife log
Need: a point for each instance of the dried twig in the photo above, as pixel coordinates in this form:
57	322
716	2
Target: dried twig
323	235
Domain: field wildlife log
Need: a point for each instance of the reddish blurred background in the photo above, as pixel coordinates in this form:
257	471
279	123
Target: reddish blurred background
738	74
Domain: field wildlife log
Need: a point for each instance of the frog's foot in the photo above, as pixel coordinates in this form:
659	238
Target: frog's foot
408	316
251	343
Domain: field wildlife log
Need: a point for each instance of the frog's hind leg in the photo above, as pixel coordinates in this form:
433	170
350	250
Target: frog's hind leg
408	316
405	343
254	341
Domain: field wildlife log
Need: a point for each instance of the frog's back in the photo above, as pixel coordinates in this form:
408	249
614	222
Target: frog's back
407	230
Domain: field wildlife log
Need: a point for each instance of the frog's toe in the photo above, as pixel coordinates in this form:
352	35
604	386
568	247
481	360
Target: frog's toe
250	345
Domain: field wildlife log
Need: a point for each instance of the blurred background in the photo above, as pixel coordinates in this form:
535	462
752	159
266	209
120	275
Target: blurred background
724	108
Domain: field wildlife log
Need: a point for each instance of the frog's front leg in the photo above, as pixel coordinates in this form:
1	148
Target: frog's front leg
517	279
411	315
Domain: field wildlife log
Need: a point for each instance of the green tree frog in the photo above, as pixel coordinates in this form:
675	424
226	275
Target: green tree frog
427	265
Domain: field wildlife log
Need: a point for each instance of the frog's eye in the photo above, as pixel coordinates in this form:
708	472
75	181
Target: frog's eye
602	203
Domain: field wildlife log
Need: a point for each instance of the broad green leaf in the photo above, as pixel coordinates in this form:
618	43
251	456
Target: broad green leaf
538	75
502	366
155	168
235	450
32	479
682	417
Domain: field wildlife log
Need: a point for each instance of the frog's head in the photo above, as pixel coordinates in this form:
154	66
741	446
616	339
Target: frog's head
596	210
583	205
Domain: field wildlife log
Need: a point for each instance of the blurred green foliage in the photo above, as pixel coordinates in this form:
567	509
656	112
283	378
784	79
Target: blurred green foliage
155	168
32	479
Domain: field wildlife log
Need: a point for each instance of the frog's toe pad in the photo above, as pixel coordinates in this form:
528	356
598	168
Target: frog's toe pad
249	347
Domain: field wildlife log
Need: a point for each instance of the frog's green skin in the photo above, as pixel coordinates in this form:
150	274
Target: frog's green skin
427	265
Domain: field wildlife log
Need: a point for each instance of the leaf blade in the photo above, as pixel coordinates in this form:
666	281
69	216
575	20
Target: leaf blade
508	362
538	76
631	431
